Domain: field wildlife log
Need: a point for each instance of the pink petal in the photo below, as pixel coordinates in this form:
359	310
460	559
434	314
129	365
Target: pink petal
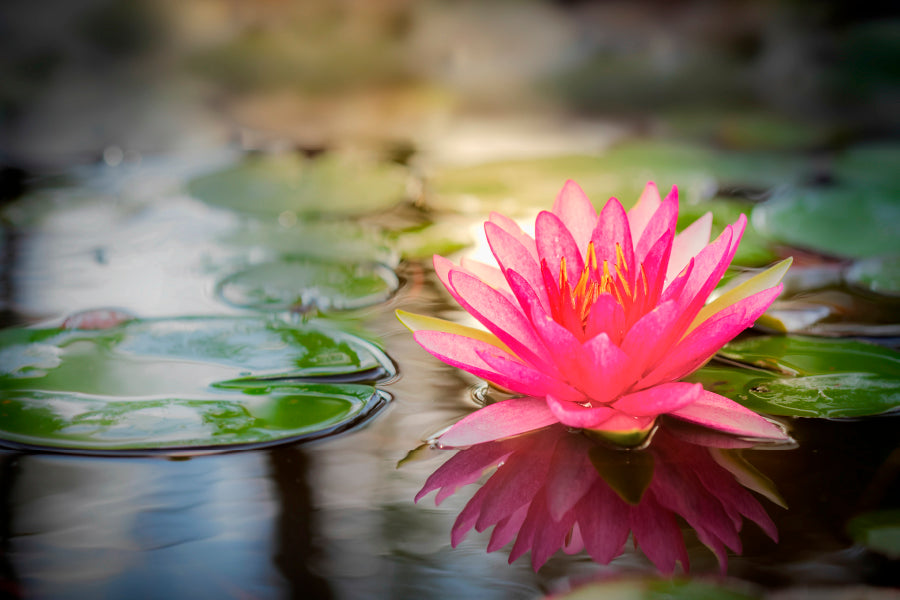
663	220
611	373
497	421
555	242
512	228
502	318
660	399
512	256
489	274
688	244
603	520
575	210
622	423
506	529
650	339
467	354
717	412
606	316
570	476
704	341
575	415
612	228
657	533
463	468
656	265
641	213
528	380
98	318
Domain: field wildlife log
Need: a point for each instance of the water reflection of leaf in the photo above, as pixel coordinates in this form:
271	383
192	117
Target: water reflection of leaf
558	489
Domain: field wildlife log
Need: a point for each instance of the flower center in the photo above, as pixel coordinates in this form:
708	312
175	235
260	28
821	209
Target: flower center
572	305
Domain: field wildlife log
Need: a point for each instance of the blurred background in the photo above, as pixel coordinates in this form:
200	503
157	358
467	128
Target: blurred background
113	80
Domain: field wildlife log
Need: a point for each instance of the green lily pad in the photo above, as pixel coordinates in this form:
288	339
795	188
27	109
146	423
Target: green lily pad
308	284
807	377
289	184
878	531
174	383
880	275
330	241
851	221
80	422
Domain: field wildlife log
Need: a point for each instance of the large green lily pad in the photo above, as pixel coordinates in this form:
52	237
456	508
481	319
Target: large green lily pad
308	284
189	382
851	221
807	377
290	184
79	422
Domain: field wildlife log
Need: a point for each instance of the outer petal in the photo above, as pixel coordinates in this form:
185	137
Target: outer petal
489	274
415	323
640	213
575	415
500	420
512	256
718	412
502	317
512	228
467	354
659	399
575	210
767	279
688	244
663	220
464	468
700	345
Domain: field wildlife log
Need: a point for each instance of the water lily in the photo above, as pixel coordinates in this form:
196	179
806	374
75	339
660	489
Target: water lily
557	489
595	319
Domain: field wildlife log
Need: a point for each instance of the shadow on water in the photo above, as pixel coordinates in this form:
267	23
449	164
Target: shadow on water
294	547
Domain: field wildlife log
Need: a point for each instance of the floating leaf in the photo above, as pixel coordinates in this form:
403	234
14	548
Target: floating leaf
807	377
878	531
880	275
305	284
851	221
80	422
190	382
293	185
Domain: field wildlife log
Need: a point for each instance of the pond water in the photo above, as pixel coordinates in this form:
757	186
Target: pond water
335	517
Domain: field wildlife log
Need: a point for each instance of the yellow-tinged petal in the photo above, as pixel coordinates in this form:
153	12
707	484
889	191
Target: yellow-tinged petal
415	323
759	282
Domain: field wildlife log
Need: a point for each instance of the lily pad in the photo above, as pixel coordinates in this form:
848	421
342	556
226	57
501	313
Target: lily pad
308	284
291	184
80	422
660	589
190	382
878	531
186	355
879	275
807	377
849	221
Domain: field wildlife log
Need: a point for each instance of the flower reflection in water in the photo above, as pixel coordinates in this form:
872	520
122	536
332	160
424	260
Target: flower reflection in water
559	488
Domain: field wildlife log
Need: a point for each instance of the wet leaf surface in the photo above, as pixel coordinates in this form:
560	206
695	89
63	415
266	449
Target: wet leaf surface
807	377
878	531
307	284
289	183
190	382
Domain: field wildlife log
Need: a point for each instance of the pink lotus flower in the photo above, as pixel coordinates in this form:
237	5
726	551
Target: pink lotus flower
596	318
557	489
